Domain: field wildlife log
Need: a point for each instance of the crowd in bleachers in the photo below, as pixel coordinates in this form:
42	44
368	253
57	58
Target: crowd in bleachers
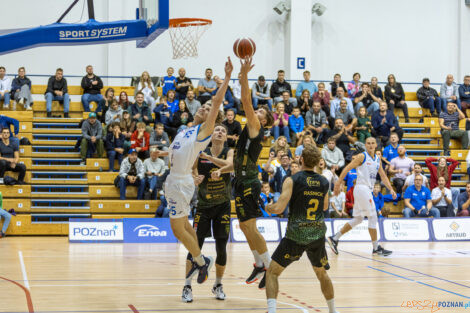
338	116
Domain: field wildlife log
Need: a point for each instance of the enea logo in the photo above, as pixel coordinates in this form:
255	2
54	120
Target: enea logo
149	231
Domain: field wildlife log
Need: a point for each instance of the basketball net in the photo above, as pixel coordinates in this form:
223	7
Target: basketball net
185	34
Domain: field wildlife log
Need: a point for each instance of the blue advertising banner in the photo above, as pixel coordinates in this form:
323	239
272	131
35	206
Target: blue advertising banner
148	230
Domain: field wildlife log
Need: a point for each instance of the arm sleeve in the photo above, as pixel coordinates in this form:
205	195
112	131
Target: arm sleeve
85	130
66	88
49	85
83	83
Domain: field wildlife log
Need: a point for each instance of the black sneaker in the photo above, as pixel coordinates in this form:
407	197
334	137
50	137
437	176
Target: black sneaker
256	274
333	244
262	283
381	251
204	270
193	271
2	234
66	115
49	114
187	295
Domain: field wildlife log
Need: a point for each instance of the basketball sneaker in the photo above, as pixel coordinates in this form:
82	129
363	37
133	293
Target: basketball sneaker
187	295
218	291
256	274
381	251
333	244
204	270
262	283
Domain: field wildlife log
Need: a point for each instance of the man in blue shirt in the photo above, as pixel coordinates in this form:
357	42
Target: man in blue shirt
351	176
391	151
168	81
418	201
296	125
306	84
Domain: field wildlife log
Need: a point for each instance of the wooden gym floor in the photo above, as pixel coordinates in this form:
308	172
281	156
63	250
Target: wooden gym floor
47	274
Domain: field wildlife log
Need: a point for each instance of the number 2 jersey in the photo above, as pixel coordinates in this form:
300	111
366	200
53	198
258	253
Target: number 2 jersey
306	219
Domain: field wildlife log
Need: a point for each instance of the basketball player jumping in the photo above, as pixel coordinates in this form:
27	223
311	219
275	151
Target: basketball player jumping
367	164
180	186
213	207
306	192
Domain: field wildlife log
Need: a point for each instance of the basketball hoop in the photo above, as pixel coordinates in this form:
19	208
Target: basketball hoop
185	34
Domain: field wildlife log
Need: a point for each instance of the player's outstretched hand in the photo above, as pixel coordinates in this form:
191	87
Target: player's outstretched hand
269	207
216	174
394	195
246	65
228	67
198	179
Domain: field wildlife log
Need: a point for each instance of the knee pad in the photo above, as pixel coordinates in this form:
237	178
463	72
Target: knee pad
372	221
221	250
355	221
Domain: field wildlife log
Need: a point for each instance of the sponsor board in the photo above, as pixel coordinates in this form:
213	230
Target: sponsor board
283	227
95	230
148	230
451	229
406	229
358	233
268	227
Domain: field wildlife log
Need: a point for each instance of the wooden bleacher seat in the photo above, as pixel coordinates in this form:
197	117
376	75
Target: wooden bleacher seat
27	177
109	191
19	205
25	116
123	206
16	191
101	178
77	90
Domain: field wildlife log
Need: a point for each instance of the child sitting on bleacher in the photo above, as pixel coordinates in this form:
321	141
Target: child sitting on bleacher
363	125
378	198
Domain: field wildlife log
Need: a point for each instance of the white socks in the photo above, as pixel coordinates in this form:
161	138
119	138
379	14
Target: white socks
258	261
331	305
337	235
218	280
271	305
188	281
375	244
266	259
200	260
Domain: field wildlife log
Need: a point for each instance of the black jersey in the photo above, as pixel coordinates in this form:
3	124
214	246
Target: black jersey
246	156
306	220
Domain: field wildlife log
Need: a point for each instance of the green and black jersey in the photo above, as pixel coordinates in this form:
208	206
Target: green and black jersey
306	220
212	192
246	155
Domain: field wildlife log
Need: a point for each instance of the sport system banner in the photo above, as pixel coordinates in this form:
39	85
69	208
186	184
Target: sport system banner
158	230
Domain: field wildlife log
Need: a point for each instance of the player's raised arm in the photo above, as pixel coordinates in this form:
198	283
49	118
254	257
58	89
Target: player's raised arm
353	164
281	204
208	126
386	181
252	123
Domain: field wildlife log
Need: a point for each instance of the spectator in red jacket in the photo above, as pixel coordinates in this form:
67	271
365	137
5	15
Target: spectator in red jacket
350	200
323	96
140	141
445	170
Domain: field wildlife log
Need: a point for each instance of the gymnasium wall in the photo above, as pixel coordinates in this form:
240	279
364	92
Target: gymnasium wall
408	38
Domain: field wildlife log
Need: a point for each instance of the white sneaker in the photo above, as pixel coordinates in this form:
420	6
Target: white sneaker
13	107
6	106
21	101
1	180
187	295
28	108
218	291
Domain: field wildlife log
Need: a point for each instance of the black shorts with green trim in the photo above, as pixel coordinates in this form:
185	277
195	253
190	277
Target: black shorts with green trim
289	251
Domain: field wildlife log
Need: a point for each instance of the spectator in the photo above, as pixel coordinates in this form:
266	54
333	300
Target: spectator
115	145
154	168
140	110
335	84
281	144
450	93
296	125
464	202
6	218
171	101
159	138
8	122
124	101
344	114
266	197
164	116
279	174
10	157
237	94
21	89
182	85
305	102
323	170
140	141
418	201
323	96
57	91
5	88
384	123
127	128
350	201
395	96
333	156
445	170
316	123
91	85
228	102
376	90
146	87
354	86
182	118
192	104
234	128
278	88
366	98
281	122
305	141
288	106
168	81
274	161
92	138
363	125
343	138
337	208
104	105
449	122
260	93
464	94
378	199
206	86
441	198
400	168
132	173
336	103
391	151
429	98
350	178
307	84
114	114
410	180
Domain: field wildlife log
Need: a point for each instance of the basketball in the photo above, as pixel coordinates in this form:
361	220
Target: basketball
244	47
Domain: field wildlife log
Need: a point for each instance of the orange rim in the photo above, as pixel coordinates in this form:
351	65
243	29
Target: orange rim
187	22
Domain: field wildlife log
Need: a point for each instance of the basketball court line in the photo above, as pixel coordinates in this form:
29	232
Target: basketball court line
29	302
133	308
407	269
23	270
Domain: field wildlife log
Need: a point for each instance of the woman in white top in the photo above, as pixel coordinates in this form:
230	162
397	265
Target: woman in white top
323	170
146	87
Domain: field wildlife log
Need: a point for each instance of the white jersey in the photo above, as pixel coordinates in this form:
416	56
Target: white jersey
367	171
185	149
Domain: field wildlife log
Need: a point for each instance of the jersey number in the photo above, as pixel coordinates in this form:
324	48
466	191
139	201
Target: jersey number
312	208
